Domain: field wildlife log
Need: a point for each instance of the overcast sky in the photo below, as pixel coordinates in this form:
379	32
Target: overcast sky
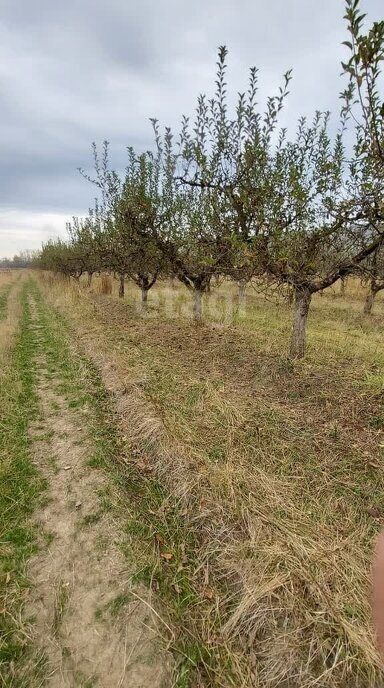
77	71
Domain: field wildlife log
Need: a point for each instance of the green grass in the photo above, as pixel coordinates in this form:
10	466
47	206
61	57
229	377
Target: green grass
61	602
118	603
269	481
151	519
90	519
4	292
21	488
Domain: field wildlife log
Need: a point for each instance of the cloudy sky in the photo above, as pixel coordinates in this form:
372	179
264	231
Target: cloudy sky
79	71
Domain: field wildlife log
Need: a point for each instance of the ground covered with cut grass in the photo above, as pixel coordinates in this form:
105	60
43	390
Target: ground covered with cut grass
247	489
254	485
71	611
21	485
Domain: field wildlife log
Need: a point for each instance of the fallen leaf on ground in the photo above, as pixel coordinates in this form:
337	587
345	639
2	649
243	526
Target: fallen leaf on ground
208	593
374	511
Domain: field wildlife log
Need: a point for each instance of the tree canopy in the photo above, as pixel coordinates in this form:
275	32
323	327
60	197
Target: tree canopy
234	194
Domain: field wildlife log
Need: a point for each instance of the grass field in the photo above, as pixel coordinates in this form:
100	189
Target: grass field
249	488
21	484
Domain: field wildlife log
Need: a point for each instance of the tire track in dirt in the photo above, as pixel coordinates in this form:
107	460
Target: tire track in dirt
79	575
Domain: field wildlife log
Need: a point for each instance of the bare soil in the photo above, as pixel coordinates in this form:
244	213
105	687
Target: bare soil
91	626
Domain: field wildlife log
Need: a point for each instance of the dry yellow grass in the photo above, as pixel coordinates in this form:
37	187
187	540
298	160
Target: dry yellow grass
278	468
105	284
10	283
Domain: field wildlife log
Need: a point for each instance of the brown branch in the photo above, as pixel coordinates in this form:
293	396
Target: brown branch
349	267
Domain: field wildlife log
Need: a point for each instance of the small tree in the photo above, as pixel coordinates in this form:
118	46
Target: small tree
138	212
216	217
332	204
82	232
130	209
191	237
363	101
373	273
363	98
306	212
62	257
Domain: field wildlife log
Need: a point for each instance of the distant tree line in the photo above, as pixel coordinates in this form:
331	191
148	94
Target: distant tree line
233	194
24	259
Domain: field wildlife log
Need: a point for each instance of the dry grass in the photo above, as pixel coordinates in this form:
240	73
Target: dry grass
105	284
7	277
278	468
9	313
20	487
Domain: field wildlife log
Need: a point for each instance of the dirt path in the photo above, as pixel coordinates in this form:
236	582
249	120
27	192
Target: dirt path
92	629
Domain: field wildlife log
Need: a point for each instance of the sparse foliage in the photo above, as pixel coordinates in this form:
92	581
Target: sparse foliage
373	274
233	195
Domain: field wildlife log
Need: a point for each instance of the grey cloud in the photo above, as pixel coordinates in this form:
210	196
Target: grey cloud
85	70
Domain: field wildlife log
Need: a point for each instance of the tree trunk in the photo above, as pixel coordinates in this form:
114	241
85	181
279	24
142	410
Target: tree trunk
197	305
144	295
370	299
302	301
241	297
89	280
342	286
369	303
121	287
242	287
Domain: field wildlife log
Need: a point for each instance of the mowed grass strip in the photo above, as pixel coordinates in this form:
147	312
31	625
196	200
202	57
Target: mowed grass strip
7	280
276	471
20	489
5	288
3	301
153	537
